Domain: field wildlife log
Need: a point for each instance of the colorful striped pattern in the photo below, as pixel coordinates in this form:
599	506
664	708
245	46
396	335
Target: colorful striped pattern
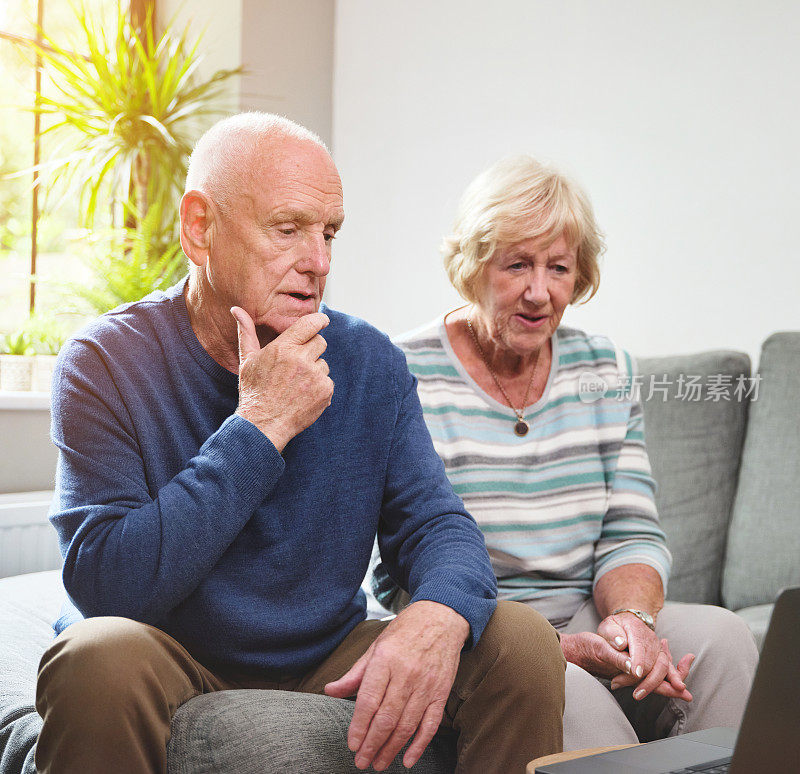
568	502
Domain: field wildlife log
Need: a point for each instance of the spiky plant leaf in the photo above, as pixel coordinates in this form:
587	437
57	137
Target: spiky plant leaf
129	264
130	105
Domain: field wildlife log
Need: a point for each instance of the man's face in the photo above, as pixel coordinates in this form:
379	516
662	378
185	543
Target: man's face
271	250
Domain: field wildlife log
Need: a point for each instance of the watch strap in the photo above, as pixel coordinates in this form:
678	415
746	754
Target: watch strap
648	620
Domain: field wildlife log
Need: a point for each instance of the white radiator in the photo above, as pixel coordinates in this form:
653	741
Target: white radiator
28	542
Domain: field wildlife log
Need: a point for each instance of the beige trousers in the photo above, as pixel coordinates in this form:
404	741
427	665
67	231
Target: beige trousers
719	680
108	688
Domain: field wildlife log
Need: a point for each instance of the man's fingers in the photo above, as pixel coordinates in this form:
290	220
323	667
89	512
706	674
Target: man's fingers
370	696
406	726
246	332
347	684
383	722
414	660
305	328
315	347
428	727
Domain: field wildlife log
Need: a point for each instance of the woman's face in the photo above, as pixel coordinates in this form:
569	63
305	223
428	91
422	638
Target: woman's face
523	292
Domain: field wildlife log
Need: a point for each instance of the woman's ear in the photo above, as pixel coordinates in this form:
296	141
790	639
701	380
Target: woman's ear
197	219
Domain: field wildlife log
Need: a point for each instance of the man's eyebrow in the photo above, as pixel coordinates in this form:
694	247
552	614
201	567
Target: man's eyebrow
303	217
294	216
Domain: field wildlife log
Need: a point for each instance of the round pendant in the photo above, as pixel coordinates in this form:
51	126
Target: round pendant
521	428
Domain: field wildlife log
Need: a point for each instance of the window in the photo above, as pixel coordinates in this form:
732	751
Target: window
37	229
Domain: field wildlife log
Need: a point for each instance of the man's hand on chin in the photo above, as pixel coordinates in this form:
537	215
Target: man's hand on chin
403	683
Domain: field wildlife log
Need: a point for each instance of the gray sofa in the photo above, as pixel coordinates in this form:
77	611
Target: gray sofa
729	499
728	473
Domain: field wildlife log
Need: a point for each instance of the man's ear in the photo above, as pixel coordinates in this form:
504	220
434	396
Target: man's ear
197	218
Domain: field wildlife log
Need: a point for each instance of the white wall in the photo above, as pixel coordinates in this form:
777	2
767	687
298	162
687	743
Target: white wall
679	117
287	49
220	30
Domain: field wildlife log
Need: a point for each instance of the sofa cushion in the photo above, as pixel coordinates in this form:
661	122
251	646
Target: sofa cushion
271	732
694	447
28	605
764	537
757	618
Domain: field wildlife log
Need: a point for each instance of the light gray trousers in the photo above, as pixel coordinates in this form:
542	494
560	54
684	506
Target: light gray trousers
719	681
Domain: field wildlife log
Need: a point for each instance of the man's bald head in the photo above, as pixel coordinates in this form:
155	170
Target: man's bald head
222	159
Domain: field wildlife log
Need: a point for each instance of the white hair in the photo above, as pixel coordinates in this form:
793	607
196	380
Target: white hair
220	159
519	198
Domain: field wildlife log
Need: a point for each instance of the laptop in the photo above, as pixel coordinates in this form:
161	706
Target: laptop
769	737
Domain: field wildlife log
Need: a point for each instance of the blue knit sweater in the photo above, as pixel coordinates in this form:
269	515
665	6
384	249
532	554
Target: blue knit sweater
173	511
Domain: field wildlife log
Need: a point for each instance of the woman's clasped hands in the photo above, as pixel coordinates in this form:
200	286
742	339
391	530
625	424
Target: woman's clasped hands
629	653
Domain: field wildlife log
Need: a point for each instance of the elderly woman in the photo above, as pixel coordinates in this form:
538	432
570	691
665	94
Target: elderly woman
561	485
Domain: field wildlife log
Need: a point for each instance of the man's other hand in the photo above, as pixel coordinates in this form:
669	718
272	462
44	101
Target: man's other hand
403	683
283	387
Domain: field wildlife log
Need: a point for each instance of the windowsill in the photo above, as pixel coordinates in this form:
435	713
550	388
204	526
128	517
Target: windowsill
24	401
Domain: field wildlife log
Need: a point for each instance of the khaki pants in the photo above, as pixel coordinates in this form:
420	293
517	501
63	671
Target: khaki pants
108	688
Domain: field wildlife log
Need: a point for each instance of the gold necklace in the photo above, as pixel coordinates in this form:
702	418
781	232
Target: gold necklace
521	427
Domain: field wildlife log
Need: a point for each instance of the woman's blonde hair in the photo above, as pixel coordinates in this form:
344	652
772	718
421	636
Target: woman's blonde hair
519	198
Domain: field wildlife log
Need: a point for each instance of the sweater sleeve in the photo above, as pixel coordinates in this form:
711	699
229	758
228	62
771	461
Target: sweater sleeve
429	544
631	533
127	553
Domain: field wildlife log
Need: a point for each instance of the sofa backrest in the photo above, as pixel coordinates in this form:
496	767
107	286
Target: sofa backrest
763	553
694	428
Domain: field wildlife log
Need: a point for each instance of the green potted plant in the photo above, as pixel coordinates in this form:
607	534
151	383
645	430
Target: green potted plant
127	264
47	336
16	361
128	107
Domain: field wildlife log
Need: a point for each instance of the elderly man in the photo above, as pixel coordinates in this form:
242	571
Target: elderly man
220	485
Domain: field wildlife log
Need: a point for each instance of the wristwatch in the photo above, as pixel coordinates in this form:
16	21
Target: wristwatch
645	618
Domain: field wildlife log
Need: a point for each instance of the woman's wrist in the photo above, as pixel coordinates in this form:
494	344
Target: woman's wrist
648	619
567	643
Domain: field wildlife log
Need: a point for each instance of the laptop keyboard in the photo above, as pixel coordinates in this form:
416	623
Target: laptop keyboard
714	767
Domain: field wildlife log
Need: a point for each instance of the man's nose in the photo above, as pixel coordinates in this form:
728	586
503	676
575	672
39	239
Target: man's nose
317	259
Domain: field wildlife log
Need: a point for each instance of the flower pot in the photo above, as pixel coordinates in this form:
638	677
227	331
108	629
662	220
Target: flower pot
16	372
43	372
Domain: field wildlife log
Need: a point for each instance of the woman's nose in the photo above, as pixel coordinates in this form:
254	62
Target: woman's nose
537	291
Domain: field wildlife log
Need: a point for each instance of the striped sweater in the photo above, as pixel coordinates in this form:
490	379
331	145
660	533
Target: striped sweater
564	504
